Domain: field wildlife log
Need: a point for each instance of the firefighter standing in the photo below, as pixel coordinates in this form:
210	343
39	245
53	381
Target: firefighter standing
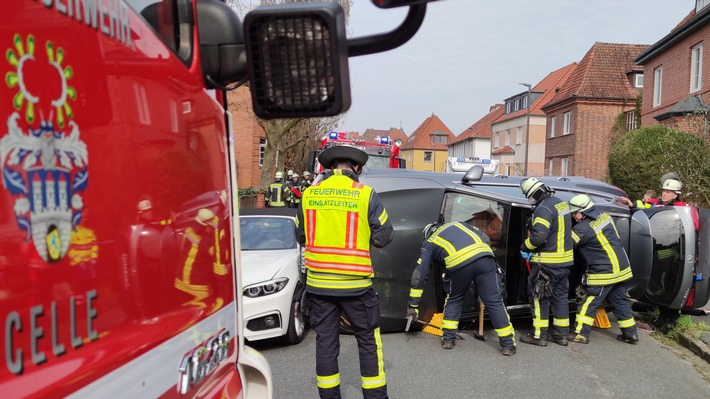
549	250
294	191
307	181
465	253
608	268
276	196
339	219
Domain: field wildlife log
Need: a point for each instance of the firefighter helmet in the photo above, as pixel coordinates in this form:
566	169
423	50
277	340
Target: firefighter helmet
582	203
672	185
533	189
289	173
350	153
429	230
295	175
306	173
279	175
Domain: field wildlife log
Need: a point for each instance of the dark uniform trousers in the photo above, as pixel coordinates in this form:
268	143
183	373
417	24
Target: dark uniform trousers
559	301
616	296
363	312
484	273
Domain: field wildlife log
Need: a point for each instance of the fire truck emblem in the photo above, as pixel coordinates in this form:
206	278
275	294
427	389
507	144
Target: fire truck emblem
44	162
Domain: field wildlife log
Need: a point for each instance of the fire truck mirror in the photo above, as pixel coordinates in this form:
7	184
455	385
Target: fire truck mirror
298	60
222	52
397	3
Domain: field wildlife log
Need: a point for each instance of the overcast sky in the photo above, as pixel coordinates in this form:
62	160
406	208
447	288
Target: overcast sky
470	54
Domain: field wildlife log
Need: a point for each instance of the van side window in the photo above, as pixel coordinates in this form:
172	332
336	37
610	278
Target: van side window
485	214
172	21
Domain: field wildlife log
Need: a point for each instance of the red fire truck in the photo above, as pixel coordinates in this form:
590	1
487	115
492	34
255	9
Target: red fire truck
383	153
119	266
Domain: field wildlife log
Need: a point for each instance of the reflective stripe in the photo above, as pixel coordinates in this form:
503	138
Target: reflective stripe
450	324
351	230
310	225
582	315
609	278
560	322
466	253
339	268
328	381
541	221
627	323
415	293
538	323
575	237
553	258
338	251
378	380
448	247
607	246
505	331
383	217
338	284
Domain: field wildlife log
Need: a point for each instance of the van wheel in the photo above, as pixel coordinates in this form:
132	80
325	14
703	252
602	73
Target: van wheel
297	325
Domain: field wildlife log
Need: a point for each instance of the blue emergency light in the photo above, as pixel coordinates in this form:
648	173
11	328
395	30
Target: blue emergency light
333	135
384	140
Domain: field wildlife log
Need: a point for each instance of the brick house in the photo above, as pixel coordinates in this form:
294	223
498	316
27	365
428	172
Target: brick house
509	131
475	141
675	78
393	133
582	113
250	138
426	148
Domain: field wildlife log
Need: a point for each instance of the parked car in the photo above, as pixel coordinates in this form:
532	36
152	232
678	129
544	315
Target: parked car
274	295
668	246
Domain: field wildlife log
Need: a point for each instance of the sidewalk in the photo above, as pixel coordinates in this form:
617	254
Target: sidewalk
701	346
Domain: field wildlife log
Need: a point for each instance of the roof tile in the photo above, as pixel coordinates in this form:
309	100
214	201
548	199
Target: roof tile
420	138
482	127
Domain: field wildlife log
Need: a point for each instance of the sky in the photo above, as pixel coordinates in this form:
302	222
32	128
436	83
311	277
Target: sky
471	54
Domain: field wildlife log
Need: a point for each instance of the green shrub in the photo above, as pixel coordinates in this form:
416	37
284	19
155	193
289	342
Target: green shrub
641	157
253	190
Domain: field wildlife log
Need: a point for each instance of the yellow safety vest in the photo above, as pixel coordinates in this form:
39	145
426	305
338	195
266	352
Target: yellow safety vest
275	197
337	255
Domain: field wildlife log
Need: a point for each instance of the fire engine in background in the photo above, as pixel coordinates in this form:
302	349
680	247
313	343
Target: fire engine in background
463	164
382	153
119	233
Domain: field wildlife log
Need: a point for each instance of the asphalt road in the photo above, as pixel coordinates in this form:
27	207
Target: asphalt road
417	367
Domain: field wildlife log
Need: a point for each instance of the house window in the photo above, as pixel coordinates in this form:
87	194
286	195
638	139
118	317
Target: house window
552	165
565	164
657	85
519	139
507	108
566	122
507	137
696	68
552	126
525	102
630	120
427	156
699	4
638	80
517	105
262	150
496	139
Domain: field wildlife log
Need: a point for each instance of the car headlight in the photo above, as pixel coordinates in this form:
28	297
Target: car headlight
265	288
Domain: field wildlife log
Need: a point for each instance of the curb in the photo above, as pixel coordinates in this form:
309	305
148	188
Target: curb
697	346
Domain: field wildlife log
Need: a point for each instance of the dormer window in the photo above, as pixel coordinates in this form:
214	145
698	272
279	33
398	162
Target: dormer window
507	108
638	80
517	105
699	4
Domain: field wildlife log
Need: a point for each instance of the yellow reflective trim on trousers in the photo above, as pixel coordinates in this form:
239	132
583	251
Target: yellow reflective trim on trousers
378	380
538	323
541	221
582	315
415	293
450	324
627	323
383	217
560	322
575	237
328	381
450	249
541	323
609	278
505	331
609	252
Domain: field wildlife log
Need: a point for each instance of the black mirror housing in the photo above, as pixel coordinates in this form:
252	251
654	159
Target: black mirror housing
397	3
222	52
298	60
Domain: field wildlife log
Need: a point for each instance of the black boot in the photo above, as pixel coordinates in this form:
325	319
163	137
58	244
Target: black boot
559	340
530	339
629	339
508	351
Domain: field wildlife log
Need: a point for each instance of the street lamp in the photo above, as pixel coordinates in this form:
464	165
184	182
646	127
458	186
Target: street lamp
527	129
435	136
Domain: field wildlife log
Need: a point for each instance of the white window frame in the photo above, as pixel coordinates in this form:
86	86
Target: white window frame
552	165
507	137
262	151
566	123
657	86
638	80
696	68
496	140
525	101
516	104
564	167
431	156
507	107
699	4
552	126
631	121
519	138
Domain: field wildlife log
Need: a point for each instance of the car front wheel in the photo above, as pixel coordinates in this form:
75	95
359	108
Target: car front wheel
297	321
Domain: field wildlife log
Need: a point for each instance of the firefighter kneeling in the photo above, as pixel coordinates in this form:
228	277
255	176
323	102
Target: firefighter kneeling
608	269
465	253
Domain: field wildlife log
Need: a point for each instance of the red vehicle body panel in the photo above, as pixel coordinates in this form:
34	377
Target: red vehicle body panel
374	150
94	122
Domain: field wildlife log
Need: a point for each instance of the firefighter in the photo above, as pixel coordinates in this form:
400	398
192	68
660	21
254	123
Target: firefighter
338	221
464	252
294	191
648	200
608	270
307	181
670	194
276	197
549	249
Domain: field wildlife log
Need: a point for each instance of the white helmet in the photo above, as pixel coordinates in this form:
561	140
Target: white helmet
289	173
294	175
306	173
672	185
533	189
279	175
430	229
582	203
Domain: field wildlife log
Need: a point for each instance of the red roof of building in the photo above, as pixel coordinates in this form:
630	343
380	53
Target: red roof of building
602	74
482	128
503	150
547	86
421	138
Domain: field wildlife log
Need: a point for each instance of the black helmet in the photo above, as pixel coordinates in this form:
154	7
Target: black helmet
330	154
430	229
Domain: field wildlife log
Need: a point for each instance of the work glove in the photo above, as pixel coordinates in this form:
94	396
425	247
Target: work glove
526	255
413	313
